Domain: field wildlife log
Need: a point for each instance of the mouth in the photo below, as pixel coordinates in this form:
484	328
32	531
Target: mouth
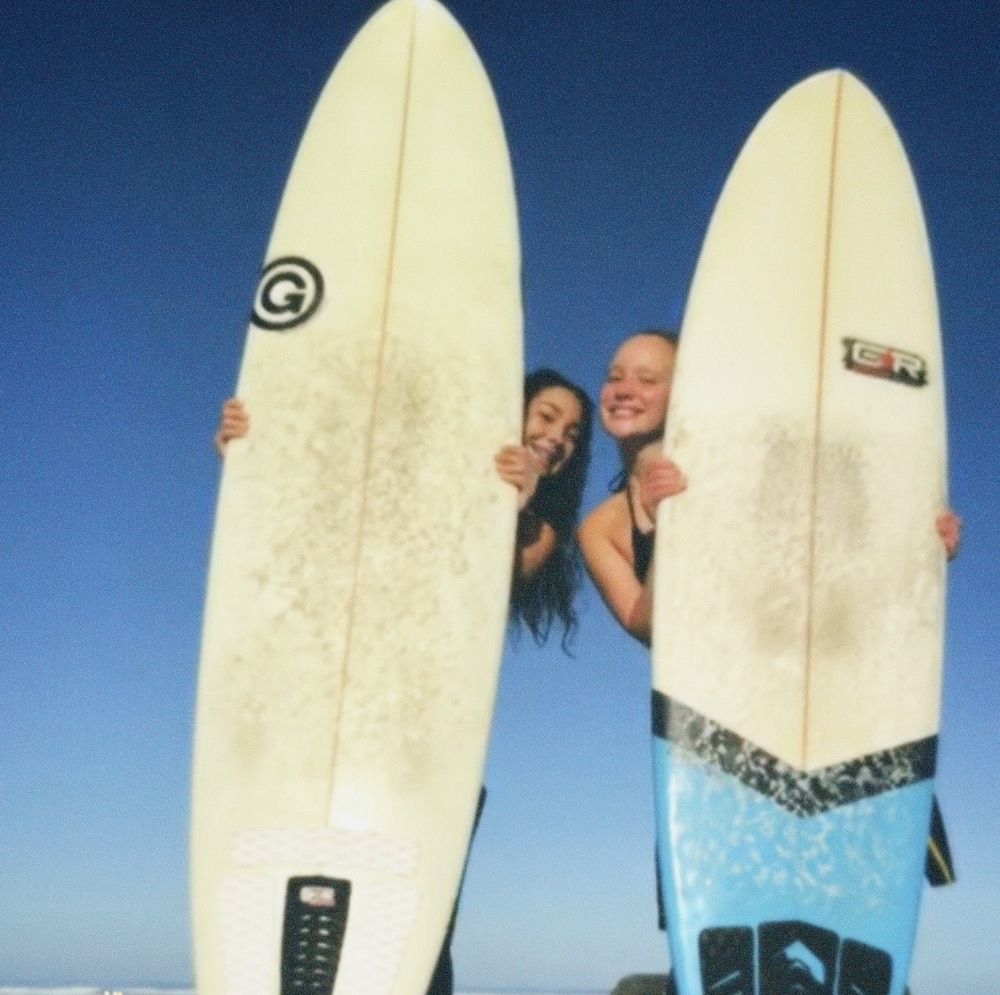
623	411
546	452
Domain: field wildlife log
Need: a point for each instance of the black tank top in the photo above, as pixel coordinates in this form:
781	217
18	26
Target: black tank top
642	544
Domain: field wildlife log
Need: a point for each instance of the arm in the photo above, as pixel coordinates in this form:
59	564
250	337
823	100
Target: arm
606	541
234	423
611	569
535	541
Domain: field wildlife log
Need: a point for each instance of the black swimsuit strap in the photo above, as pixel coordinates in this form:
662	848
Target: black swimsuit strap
628	501
642	542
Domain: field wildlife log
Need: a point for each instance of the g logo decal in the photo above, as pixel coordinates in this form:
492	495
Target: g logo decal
289	292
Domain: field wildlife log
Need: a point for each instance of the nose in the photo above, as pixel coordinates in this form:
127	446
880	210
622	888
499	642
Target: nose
622	388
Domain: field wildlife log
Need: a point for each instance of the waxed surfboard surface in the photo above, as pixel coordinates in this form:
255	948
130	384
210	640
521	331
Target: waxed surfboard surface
361	558
799	580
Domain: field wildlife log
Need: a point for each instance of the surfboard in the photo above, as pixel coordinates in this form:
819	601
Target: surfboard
798	616
363	545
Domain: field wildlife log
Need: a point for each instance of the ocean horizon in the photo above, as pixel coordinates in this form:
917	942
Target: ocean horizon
175	990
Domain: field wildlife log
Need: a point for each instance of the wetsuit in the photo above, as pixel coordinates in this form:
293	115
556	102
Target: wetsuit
642	558
938	867
443	979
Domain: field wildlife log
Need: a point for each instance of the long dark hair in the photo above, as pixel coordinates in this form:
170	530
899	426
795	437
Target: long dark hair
547	595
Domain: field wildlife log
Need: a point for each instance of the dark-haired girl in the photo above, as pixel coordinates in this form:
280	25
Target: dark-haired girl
549	470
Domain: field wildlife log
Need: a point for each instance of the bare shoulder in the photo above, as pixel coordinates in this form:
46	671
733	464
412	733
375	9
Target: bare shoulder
605	521
606	542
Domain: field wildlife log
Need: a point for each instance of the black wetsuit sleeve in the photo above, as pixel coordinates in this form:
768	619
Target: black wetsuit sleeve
938	867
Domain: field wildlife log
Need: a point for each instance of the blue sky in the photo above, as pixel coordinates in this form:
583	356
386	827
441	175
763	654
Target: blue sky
144	150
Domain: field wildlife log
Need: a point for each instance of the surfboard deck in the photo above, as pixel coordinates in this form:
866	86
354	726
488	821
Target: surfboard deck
799	579
362	553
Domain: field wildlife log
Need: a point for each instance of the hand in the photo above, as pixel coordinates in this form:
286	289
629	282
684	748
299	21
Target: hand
659	478
520	467
949	527
234	424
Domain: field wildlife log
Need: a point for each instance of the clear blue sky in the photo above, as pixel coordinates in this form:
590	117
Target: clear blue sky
144	149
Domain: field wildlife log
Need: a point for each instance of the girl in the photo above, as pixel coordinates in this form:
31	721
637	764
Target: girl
617	536
549	470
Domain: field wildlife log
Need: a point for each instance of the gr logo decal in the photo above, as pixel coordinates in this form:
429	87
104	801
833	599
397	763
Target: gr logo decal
885	362
289	292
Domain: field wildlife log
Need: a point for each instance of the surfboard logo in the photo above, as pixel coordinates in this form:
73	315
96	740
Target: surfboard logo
312	940
318	896
288	293
885	362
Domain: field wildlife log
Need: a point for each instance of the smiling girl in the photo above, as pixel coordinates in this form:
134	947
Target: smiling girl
617	536
549	470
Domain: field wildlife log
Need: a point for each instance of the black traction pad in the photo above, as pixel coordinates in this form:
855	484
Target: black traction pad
727	957
792	958
315	923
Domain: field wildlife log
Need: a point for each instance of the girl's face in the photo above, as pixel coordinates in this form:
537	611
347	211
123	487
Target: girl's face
636	392
552	427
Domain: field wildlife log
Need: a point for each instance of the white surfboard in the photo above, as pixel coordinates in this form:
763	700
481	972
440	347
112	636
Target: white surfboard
361	559
799	579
